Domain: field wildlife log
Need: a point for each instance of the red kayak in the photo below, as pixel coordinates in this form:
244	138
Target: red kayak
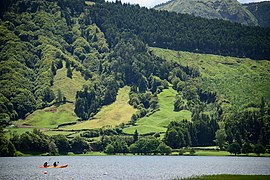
59	166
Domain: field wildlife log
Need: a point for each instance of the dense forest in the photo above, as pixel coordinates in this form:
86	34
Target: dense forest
182	32
261	11
108	44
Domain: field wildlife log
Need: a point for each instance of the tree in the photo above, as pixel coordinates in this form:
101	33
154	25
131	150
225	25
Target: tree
135	136
109	149
247	148
69	72
48	95
62	143
234	148
178	103
59	96
53	150
221	138
259	149
164	149
79	145
174	138
6	147
53	69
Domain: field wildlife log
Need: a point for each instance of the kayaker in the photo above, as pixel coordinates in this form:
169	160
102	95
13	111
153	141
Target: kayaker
45	164
54	164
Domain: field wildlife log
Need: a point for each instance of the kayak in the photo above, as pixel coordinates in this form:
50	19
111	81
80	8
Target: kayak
59	166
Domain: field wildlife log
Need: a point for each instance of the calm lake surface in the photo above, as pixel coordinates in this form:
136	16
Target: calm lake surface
130	167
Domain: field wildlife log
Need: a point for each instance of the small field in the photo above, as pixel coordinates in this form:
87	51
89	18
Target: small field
229	177
109	116
242	81
50	117
159	121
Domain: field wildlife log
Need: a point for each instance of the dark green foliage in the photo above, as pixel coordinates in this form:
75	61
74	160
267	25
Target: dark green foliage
261	11
91	133
61	143
259	149
250	125
182	32
48	95
179	104
118	146
53	69
29	142
145	146
234	148
200	132
247	148
24	102
175	136
111	90
119	143
79	145
87	103
69	73
109	149
6	146
75	6
164	149
135	136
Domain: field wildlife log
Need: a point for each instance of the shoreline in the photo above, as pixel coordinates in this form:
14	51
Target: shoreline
197	153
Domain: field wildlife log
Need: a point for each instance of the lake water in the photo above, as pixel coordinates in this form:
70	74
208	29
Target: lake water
130	167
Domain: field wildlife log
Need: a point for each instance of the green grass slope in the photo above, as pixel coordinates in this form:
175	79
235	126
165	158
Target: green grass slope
159	121
50	117
109	116
68	86
240	81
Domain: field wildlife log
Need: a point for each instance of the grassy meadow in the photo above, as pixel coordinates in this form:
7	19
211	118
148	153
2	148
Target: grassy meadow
111	115
50	117
241	81
159	121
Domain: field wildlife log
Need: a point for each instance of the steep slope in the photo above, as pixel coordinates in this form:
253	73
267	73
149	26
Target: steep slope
238	82
261	11
212	9
36	39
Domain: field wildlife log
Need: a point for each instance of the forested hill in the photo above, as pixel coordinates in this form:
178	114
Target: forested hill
230	10
261	10
182	32
63	58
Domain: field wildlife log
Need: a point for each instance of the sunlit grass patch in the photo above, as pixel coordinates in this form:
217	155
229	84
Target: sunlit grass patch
159	121
109	116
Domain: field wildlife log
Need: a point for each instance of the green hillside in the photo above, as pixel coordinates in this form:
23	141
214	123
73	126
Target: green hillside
73	68
109	116
241	82
158	121
230	10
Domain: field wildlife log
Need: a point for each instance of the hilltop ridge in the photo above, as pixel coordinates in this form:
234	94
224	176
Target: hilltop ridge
230	10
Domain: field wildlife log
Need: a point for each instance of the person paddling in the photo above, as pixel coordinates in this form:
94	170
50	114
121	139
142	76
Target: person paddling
55	164
45	164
